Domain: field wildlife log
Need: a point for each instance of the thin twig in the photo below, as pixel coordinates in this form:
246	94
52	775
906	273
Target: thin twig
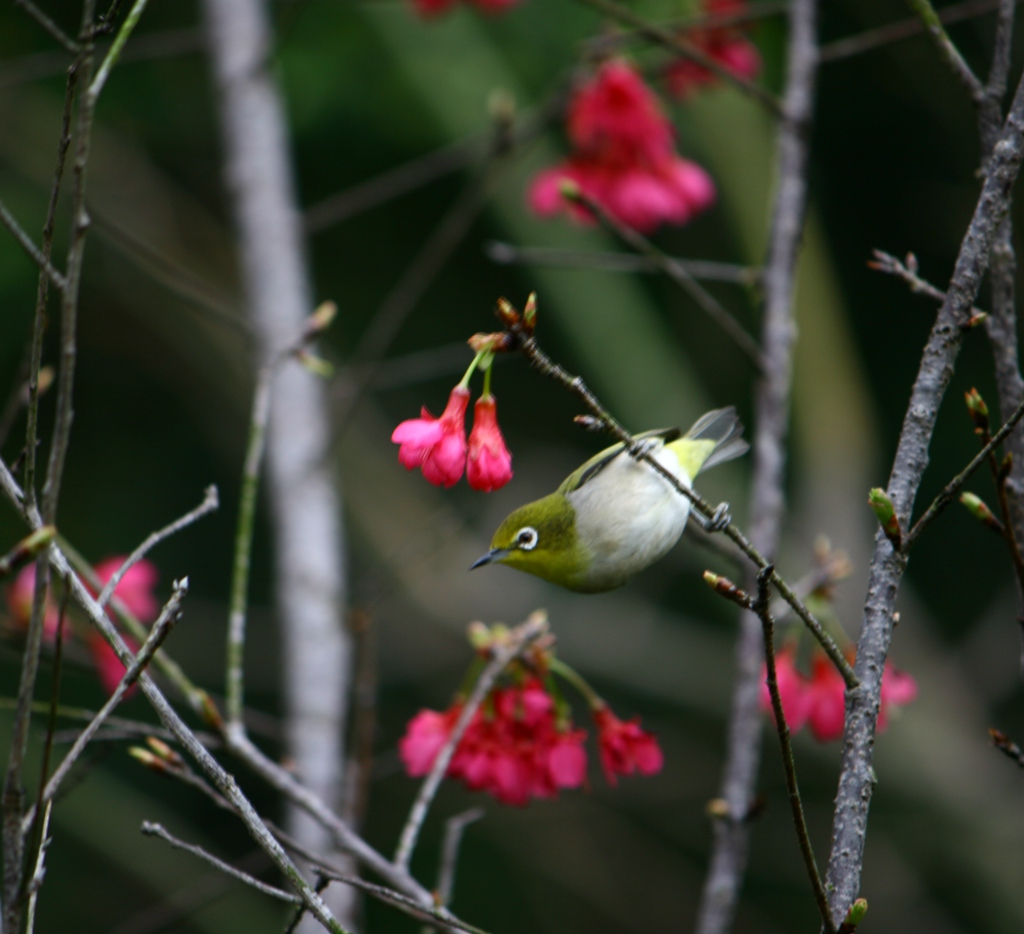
519	639
393	183
907	271
856	781
35	881
953	487
760	607
508	255
151	829
224	782
209	504
49	25
114	52
453	830
34	253
169	616
682	47
704	300
234	673
767	495
933	26
528	346
902	29
403	902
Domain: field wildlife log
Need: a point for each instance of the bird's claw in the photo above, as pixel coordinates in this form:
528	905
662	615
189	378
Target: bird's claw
640	448
719	520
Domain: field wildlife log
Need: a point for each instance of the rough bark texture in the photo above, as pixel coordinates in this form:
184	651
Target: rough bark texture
309	549
856	781
731	835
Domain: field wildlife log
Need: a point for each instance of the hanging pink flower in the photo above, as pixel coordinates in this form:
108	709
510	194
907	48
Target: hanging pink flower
623	157
489	464
727	45
436	445
826	700
625	748
135	589
106	662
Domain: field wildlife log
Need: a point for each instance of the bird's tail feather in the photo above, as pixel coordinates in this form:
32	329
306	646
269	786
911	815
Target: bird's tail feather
723	428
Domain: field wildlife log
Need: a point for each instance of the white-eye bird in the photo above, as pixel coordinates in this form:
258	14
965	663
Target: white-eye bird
615	515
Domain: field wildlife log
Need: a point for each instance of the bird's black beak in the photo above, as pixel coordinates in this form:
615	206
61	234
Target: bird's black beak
495	554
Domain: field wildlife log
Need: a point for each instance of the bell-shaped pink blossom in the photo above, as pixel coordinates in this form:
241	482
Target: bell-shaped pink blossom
424	738
727	45
436	445
625	748
898	688
826	700
106	662
488	464
623	158
135	589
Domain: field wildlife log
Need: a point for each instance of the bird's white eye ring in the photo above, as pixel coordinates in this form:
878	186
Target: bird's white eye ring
526	538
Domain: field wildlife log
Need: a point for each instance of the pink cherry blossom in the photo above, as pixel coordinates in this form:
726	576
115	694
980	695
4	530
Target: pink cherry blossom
726	45
436	445
625	748
135	589
106	662
792	690
623	158
489	464
19	603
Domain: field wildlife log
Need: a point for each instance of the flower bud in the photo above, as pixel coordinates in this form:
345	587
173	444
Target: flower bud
854	916
479	636
976	318
530	313
495	342
507	313
164	752
977	409
726	588
321	319
979	509
885	512
147	758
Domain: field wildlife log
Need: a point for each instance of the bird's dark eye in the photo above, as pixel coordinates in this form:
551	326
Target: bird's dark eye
526	538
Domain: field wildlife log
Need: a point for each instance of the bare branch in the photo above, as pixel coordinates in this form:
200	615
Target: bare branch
25	242
856	780
507	254
675	271
169	616
114	52
933	26
907	271
49	25
518	640
209	504
453	830
157	830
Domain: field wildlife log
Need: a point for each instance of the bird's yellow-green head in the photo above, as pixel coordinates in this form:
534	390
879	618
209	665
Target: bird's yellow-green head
540	538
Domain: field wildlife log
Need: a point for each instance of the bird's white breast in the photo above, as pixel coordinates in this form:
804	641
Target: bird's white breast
628	516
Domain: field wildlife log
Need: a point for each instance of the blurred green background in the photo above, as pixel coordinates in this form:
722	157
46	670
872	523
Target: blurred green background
161	407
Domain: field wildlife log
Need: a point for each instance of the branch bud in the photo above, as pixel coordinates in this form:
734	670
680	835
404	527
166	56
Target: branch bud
718	808
209	711
31	546
165	752
147	758
507	313
978	410
854	916
496	342
530	313
1005	467
885	512
318	366
976	318
726	588
978	508
321	319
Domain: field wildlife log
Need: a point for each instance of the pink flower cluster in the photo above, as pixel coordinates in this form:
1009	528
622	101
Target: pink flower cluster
727	45
623	157
820	701
135	590
439	448
431	8
515	749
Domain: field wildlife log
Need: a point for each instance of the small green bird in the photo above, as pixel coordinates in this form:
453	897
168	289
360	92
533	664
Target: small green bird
614	515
